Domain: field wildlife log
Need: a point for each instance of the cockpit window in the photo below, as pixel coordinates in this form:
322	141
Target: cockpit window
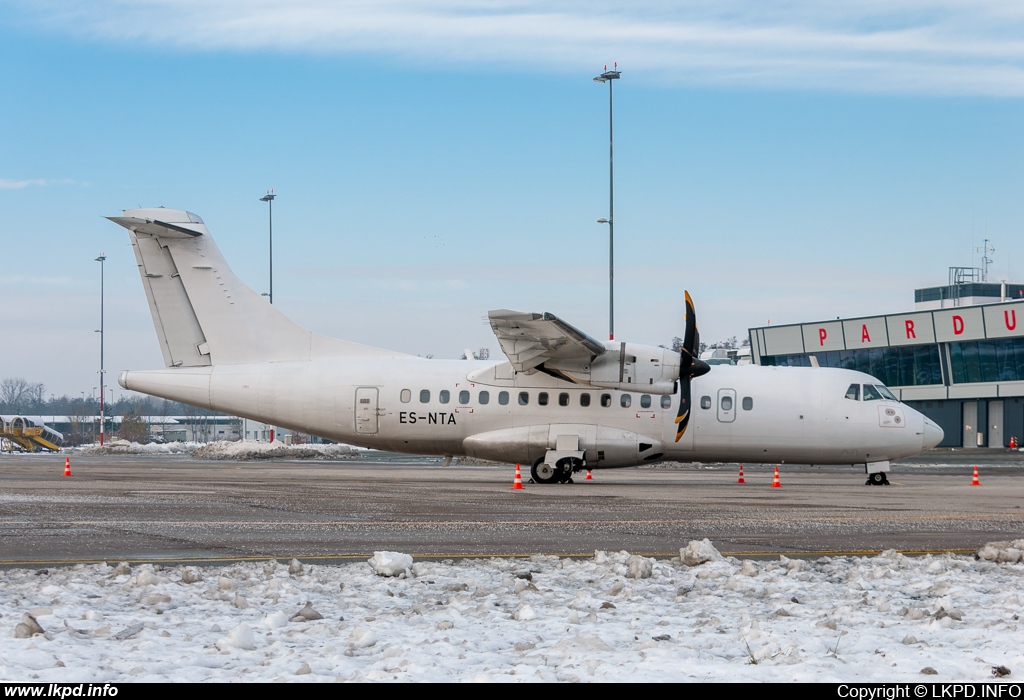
886	393
871	393
853	393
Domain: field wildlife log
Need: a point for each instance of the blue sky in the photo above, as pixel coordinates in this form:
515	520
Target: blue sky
434	160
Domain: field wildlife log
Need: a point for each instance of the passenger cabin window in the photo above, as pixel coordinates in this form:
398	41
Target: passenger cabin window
563	399
485	398
625	400
542	398
666	402
584	400
424	395
705	402
503	398
748	403
871	393
853	393
524	398
645	401
606	400
444	396
406	396
463	397
726	403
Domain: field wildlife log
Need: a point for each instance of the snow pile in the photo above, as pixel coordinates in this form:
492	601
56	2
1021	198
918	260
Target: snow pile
248	451
123	447
241	637
613	617
390	564
697	552
1010	552
238	450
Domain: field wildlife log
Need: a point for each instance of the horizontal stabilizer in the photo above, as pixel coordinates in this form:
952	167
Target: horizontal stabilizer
154	227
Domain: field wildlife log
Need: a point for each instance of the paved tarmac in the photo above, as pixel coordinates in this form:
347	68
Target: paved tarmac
175	508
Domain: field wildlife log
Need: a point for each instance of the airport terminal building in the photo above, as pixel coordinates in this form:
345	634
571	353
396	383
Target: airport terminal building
958	358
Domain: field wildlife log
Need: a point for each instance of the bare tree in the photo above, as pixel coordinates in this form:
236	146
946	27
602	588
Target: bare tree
34	397
12	393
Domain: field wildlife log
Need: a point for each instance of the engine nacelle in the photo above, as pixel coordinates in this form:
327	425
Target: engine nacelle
600	445
626	367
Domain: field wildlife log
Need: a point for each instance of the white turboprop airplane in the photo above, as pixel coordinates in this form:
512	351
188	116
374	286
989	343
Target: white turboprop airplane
562	402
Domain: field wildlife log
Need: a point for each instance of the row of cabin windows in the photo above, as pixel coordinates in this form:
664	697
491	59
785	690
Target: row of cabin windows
543	398
726	403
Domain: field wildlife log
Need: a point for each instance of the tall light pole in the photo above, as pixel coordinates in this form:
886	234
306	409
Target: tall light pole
269	199
607	77
100	260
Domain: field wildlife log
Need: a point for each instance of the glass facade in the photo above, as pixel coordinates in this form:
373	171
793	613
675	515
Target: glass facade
969	289
992	360
905	365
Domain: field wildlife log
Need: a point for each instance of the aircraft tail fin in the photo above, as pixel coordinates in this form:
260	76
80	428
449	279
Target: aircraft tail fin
202	312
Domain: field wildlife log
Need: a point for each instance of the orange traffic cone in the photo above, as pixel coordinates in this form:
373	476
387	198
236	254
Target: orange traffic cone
517	483
67	466
776	484
589	477
742	480
974	481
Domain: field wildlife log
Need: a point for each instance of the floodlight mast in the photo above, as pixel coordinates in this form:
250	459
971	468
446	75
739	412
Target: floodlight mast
269	199
101	260
607	77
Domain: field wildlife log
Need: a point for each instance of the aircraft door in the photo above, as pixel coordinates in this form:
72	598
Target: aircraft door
366	410
726	405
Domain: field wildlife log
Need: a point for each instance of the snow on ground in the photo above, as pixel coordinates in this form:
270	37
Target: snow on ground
613	617
272	450
237	450
124	447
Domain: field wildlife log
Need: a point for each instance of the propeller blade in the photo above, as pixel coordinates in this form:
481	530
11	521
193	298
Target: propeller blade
689	366
683	417
691	337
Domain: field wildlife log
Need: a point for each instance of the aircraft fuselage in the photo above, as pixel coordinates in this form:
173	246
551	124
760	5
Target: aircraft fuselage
748	413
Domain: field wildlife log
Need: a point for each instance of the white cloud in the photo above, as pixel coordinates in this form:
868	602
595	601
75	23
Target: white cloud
8	184
924	46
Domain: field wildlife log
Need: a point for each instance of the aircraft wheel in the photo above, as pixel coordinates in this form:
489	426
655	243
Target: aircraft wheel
544	473
877	479
566	467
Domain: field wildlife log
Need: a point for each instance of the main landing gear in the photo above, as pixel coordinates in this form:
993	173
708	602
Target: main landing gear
559	473
877	479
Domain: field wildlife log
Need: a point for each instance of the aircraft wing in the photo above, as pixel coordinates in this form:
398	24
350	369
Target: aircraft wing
530	339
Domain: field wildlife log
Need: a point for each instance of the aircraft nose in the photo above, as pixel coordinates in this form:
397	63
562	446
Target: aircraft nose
932	434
